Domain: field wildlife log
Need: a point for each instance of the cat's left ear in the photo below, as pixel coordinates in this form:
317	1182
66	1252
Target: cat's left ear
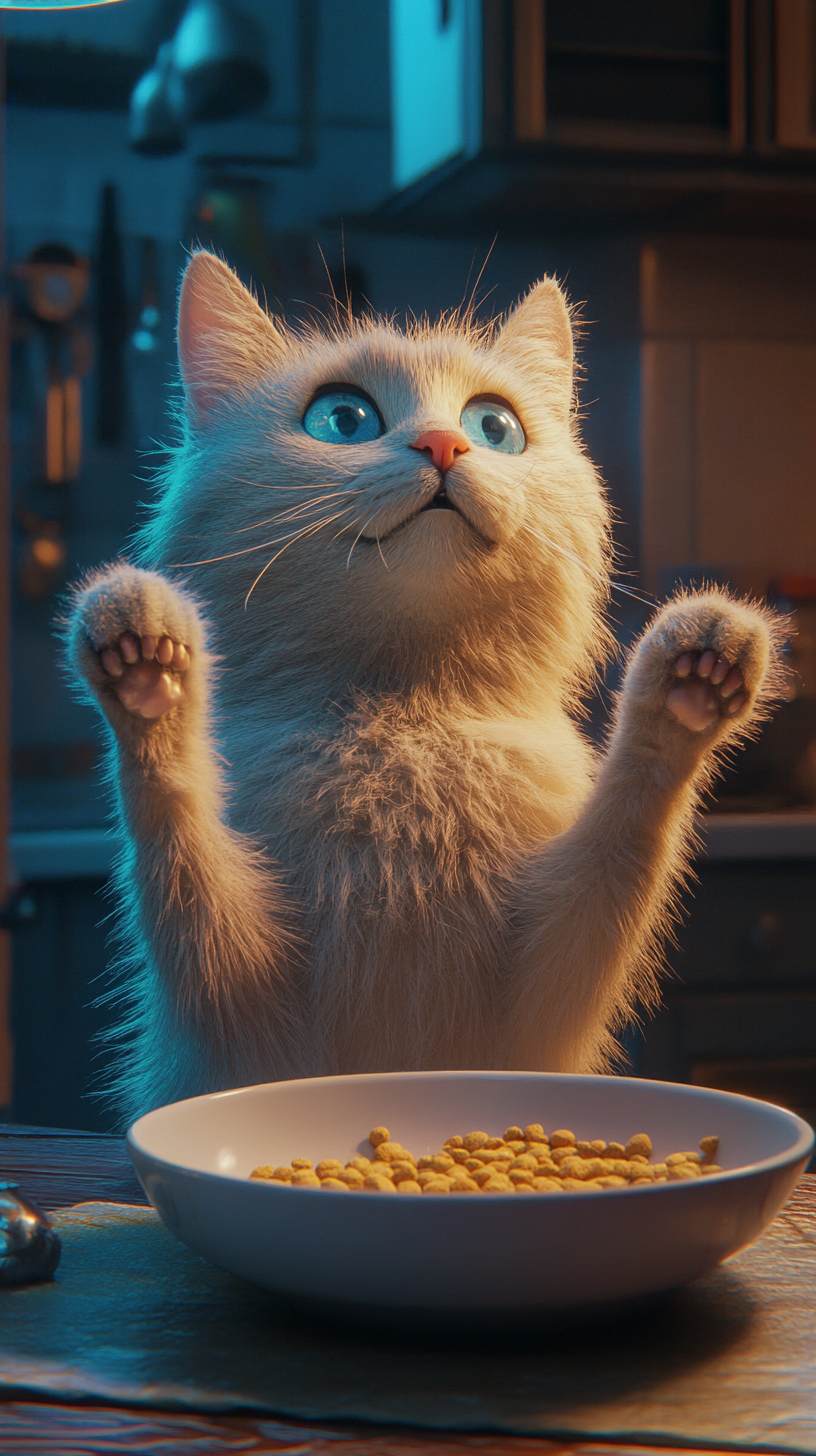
537	337
225	340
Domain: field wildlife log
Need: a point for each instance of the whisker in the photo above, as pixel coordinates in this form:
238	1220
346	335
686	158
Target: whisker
309	530
293	512
359	534
606	581
379	548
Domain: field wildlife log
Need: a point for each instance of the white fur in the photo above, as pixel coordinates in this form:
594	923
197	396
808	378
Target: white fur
371	836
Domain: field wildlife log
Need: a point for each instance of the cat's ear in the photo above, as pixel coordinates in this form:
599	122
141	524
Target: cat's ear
537	336
225	340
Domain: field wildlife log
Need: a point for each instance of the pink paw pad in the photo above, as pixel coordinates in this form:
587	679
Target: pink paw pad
146	672
706	689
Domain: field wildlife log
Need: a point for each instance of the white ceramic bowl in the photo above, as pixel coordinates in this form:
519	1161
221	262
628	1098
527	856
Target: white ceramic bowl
486	1252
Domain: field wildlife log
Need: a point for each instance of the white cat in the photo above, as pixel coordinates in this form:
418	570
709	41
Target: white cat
364	831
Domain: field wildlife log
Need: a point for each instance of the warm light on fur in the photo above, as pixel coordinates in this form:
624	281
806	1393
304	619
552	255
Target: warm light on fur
371	836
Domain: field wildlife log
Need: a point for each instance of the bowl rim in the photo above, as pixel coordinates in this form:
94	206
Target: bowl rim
801	1149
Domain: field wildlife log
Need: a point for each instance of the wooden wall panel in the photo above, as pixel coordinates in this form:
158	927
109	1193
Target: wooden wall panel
668	461
756	428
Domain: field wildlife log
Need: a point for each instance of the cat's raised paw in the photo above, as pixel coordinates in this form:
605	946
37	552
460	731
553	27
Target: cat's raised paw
706	688
146	673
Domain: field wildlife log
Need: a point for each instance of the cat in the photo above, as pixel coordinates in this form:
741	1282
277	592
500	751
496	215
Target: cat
342	678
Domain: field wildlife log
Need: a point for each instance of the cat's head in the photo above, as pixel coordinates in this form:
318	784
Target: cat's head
414	504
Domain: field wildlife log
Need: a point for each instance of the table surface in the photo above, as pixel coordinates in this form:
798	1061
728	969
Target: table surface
59	1169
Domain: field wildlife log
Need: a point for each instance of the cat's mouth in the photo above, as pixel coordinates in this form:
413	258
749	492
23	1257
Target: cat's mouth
439	502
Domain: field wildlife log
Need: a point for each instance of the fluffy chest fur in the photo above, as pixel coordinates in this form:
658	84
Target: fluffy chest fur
399	831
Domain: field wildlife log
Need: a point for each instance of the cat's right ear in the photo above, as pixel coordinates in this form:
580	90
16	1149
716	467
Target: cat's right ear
225	340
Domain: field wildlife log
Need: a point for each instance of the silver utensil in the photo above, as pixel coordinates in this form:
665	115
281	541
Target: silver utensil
29	1247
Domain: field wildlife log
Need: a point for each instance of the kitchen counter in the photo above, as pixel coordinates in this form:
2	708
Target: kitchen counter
68	854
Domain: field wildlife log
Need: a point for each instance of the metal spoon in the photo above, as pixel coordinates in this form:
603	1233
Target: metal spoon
29	1247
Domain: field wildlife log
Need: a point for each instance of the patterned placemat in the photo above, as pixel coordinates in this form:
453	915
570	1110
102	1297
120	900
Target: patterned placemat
136	1318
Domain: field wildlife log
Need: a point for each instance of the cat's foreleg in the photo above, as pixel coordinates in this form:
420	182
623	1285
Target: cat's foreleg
206	920
596	901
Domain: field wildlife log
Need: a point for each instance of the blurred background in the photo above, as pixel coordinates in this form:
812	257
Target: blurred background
660	159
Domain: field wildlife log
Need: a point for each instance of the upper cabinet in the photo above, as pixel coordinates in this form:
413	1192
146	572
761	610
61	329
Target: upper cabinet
595	114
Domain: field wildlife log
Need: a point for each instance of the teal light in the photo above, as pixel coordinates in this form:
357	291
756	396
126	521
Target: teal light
431	63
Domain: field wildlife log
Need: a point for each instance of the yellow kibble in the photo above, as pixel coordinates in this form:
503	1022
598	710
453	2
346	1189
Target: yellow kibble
640	1143
459	1155
400	1171
481	1175
436	1185
562	1152
388	1152
497	1183
534	1133
352	1177
520	1175
563	1138
363	1165
377	1183
425	1175
523	1161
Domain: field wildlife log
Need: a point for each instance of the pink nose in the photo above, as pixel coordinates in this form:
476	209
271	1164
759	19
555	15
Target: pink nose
443	446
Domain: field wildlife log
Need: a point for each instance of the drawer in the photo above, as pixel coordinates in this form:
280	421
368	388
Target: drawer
748	924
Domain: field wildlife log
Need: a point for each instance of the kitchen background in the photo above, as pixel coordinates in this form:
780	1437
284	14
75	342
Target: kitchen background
660	159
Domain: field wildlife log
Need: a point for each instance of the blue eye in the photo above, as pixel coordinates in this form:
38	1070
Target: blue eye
493	424
343	417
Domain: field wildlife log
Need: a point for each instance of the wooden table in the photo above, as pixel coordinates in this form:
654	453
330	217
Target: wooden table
58	1169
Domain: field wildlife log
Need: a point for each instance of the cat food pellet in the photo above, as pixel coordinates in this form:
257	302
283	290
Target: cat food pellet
640	1143
560	1139
478	1163
305	1178
378	1183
